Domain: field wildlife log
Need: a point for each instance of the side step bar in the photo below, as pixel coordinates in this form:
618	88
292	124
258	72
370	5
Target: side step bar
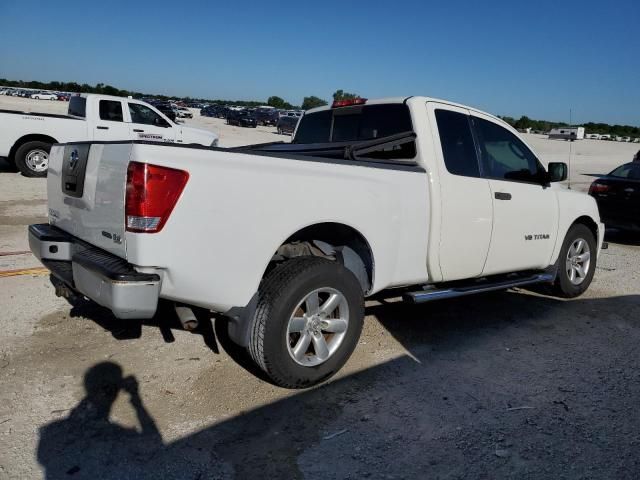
487	285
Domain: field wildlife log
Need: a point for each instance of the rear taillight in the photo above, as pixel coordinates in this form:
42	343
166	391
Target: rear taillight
152	192
598	188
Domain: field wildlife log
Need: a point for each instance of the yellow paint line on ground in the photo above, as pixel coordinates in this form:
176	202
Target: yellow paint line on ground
24	271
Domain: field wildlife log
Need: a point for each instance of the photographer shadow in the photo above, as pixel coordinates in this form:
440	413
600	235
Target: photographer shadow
87	444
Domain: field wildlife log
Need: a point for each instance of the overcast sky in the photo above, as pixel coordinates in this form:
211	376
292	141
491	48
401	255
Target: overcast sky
538	58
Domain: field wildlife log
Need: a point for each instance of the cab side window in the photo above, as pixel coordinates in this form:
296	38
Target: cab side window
505	156
456	139
110	110
145	116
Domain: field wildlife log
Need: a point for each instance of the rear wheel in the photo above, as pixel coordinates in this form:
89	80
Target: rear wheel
32	158
308	321
577	262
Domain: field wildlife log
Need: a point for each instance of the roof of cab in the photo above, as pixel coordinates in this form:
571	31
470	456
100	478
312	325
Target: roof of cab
379	101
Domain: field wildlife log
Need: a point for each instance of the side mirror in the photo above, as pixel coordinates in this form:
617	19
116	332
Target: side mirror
558	171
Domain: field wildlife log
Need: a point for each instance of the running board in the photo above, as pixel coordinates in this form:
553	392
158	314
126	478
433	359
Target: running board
436	293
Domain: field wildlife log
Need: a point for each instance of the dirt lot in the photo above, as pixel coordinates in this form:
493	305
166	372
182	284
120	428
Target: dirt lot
507	385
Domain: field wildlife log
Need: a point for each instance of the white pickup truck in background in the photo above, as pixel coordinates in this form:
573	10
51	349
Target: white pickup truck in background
411	197
26	138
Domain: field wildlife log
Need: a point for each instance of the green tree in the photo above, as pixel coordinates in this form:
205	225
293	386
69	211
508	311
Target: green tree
342	95
523	123
312	102
277	102
109	90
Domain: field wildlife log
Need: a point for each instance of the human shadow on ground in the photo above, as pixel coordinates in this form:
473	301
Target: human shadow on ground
87	442
505	385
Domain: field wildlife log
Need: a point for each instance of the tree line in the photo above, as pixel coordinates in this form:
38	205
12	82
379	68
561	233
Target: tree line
309	102
525	122
72	87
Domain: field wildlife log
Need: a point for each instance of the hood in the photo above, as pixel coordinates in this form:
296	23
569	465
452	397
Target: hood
199	136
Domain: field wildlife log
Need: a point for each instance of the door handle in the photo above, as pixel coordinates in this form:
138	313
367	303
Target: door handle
100	127
502	196
138	130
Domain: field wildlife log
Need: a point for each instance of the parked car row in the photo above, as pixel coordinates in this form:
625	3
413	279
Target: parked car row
171	110
284	120
36	94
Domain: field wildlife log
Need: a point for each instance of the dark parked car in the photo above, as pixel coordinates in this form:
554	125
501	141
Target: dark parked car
267	116
209	111
287	125
618	197
214	111
167	109
242	118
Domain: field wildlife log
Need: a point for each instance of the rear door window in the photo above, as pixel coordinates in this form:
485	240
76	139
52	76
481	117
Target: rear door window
78	106
111	110
458	148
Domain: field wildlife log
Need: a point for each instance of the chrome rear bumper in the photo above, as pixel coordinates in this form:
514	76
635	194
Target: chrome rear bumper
104	278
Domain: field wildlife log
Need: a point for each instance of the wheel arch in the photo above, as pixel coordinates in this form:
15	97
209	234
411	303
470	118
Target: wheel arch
33	137
588	222
332	240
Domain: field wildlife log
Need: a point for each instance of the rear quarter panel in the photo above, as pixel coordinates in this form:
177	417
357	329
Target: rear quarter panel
237	209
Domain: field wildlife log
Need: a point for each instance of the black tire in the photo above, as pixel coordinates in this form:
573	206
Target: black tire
22	154
563	287
279	294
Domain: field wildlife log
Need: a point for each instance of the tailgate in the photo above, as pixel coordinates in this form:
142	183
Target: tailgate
86	192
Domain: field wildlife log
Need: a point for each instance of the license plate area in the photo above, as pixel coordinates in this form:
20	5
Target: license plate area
74	166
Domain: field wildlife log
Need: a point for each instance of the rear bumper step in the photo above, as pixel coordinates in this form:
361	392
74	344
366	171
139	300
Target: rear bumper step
104	278
486	285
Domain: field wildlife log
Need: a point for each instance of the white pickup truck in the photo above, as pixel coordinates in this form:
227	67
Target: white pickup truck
411	197
26	138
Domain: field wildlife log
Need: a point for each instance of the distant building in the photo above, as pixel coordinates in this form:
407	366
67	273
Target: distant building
567	133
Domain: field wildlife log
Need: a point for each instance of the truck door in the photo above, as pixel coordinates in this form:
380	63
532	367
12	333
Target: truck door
110	123
145	124
465	197
525	209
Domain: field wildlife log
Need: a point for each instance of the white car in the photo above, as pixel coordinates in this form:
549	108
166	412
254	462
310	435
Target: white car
26	138
404	197
44	96
183	112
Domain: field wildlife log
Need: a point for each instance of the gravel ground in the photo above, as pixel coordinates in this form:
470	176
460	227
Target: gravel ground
506	385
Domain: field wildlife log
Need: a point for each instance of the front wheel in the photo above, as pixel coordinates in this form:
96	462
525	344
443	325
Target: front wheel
308	321
32	158
577	262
